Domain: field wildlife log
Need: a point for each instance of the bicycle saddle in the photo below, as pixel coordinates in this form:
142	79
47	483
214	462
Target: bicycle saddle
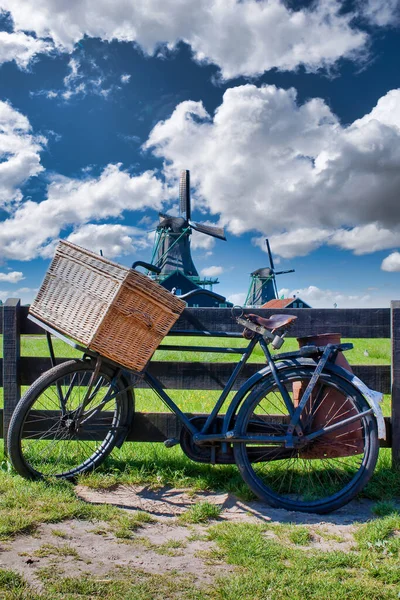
274	322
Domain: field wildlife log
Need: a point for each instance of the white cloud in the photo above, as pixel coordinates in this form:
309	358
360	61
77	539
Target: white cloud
21	47
391	262
326	298
125	78
381	12
298	242
83	78
19	154
12	276
266	163
242	38
25	294
237	299
114	240
75	202
366	239
201	241
212	271
73	81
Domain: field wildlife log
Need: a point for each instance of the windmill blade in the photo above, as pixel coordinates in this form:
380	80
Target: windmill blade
217	232
271	262
283	272
184	194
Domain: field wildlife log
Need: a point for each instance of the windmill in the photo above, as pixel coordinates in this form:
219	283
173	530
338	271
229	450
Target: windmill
172	244
263	283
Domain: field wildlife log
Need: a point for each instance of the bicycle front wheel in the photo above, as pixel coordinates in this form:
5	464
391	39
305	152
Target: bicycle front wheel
323	474
51	436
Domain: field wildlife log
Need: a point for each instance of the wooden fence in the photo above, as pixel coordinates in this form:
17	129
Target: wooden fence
350	323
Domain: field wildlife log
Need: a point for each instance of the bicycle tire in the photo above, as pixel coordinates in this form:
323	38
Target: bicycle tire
327	472
48	444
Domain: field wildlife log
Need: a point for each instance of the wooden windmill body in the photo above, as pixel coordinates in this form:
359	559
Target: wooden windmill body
172	253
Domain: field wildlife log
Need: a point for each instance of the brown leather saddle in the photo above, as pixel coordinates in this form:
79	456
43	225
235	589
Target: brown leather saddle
273	323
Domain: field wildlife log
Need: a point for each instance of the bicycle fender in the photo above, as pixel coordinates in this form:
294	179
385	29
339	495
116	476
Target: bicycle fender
372	397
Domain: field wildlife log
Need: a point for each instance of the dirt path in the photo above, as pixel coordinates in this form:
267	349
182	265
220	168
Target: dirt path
166	503
76	548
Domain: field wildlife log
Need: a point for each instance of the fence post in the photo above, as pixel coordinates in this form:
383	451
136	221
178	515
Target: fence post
11	355
395	376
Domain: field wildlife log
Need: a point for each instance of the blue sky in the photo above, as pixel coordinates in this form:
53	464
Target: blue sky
287	114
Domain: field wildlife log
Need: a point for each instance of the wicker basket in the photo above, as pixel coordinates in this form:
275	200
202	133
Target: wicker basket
116	311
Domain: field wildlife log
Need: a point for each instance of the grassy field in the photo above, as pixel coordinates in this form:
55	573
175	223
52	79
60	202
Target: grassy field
267	561
365	351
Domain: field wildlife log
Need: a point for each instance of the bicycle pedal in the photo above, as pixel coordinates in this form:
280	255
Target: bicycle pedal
170	442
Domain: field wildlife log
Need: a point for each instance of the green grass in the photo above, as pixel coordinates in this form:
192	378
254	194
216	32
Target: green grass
24	505
260	568
126	525
300	536
123	583
379	350
201	512
59	551
384	508
272	570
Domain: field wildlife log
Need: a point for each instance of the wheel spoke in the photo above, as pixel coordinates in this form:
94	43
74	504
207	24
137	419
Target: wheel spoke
50	440
318	473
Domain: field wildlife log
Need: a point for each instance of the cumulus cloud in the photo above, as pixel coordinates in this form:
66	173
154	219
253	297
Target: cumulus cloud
326	298
237	299
391	262
273	35
25	294
200	241
266	163
298	242
366	239
213	271
19	154
12	276
21	48
76	202
112	239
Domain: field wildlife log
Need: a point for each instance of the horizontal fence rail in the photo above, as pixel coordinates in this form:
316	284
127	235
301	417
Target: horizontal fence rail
19	371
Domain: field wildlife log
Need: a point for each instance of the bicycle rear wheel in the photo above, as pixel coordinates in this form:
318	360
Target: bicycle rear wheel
46	438
323	474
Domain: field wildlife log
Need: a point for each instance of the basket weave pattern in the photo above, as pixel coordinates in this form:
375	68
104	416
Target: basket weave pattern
118	312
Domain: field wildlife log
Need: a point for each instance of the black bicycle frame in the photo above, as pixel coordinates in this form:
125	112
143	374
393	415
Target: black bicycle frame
200	436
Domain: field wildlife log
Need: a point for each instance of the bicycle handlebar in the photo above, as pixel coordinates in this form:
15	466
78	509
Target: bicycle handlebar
148	266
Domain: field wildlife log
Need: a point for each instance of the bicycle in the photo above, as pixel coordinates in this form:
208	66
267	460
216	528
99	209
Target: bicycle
303	431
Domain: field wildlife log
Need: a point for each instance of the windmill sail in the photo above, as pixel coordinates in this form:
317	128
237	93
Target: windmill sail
271	262
184	194
217	232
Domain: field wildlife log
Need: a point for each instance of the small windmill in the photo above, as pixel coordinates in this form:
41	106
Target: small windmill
263	283
172	244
